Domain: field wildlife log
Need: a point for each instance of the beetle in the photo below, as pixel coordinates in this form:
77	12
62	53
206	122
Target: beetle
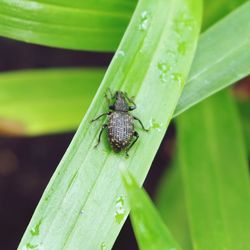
120	123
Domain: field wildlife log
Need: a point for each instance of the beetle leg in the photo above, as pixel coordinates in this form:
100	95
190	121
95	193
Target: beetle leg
137	119
100	134
132	107
107	113
109	96
131	145
130	100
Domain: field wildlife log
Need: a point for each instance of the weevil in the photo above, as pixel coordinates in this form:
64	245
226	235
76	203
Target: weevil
120	124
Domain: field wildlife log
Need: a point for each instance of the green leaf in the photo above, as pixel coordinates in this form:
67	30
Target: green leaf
215	10
83	192
150	236
222	58
171	204
244	109
45	101
77	24
215	174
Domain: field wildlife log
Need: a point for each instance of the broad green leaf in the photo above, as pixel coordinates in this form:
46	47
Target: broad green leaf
244	109
222	58
84	191
150	230
45	101
86	25
171	205
215	175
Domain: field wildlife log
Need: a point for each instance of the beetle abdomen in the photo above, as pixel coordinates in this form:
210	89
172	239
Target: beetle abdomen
120	130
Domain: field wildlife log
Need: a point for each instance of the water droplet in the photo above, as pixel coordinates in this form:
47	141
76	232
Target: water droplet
103	246
119	209
119	53
144	21
183	22
29	246
82	212
155	125
164	69
182	47
35	230
177	77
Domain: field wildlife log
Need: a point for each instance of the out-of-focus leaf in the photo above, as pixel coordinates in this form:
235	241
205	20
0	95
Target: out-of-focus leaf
86	25
171	205
150	230
45	101
215	174
215	10
244	109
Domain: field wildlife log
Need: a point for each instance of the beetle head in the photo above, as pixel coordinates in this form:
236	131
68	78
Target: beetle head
120	103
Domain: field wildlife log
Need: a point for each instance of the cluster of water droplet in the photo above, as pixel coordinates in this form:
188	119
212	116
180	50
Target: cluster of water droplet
144	21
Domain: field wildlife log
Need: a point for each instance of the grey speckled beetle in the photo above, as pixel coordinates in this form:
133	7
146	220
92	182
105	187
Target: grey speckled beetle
120	123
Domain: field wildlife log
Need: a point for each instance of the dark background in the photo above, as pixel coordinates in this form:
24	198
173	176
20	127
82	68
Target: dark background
26	164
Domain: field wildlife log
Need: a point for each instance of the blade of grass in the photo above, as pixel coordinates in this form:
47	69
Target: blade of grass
83	192
150	236
171	205
215	174
76	24
222	58
45	101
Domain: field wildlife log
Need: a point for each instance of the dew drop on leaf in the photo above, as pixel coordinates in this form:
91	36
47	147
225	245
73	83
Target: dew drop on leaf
182	48
177	77
36	229
164	70
155	125
119	53
119	209
103	246
144	21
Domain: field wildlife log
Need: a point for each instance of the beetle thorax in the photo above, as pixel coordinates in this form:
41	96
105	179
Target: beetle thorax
121	103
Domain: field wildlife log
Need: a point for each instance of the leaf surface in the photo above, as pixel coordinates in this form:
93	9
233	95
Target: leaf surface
150	236
215	174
